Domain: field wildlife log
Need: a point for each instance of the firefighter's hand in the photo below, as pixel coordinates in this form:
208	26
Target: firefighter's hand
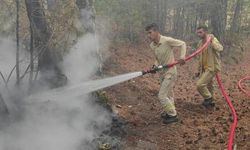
212	37
197	74
182	62
153	68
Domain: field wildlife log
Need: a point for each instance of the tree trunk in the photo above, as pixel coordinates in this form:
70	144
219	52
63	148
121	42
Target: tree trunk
87	18
17	43
31	55
179	22
3	106
218	17
158	14
163	15
87	14
42	34
236	18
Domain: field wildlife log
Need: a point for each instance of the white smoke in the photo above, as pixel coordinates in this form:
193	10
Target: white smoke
82	62
7	57
67	124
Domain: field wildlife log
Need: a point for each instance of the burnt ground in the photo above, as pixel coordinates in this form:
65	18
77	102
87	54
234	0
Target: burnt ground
136	102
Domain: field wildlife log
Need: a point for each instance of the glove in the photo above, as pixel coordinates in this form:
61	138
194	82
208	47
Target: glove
182	62
197	74
153	69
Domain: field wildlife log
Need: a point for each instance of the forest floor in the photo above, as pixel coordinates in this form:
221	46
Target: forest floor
136	102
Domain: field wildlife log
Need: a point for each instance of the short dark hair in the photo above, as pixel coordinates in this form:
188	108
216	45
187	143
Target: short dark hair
204	27
152	26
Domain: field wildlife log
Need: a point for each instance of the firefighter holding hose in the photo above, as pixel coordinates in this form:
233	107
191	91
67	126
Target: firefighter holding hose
209	66
163	49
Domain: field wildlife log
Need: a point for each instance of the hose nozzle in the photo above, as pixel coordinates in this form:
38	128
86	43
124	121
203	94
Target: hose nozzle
154	69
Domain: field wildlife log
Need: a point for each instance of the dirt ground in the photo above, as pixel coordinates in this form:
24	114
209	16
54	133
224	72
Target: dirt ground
198	129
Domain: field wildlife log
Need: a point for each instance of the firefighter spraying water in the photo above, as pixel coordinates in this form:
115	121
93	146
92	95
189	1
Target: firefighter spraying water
95	85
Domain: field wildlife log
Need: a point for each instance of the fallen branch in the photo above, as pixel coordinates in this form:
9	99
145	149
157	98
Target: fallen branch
5	82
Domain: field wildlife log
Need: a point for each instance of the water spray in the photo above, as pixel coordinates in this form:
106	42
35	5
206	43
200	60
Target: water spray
91	86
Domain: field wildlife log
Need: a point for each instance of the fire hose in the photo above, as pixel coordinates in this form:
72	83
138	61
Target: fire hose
241	87
198	51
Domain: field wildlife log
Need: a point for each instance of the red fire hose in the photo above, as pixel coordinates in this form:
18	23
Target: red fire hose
233	127
231	138
241	87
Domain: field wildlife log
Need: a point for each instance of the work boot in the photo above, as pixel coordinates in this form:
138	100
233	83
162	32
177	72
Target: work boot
167	119
208	103
164	115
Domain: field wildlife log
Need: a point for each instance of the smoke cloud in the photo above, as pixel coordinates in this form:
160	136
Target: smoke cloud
66	124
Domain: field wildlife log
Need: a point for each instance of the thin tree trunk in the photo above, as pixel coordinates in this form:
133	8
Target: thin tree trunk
31	53
236	17
3	106
158	13
17	43
163	15
178	22
31	56
218	17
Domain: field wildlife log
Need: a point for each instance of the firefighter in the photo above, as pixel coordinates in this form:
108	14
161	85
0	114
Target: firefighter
163	50
209	66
